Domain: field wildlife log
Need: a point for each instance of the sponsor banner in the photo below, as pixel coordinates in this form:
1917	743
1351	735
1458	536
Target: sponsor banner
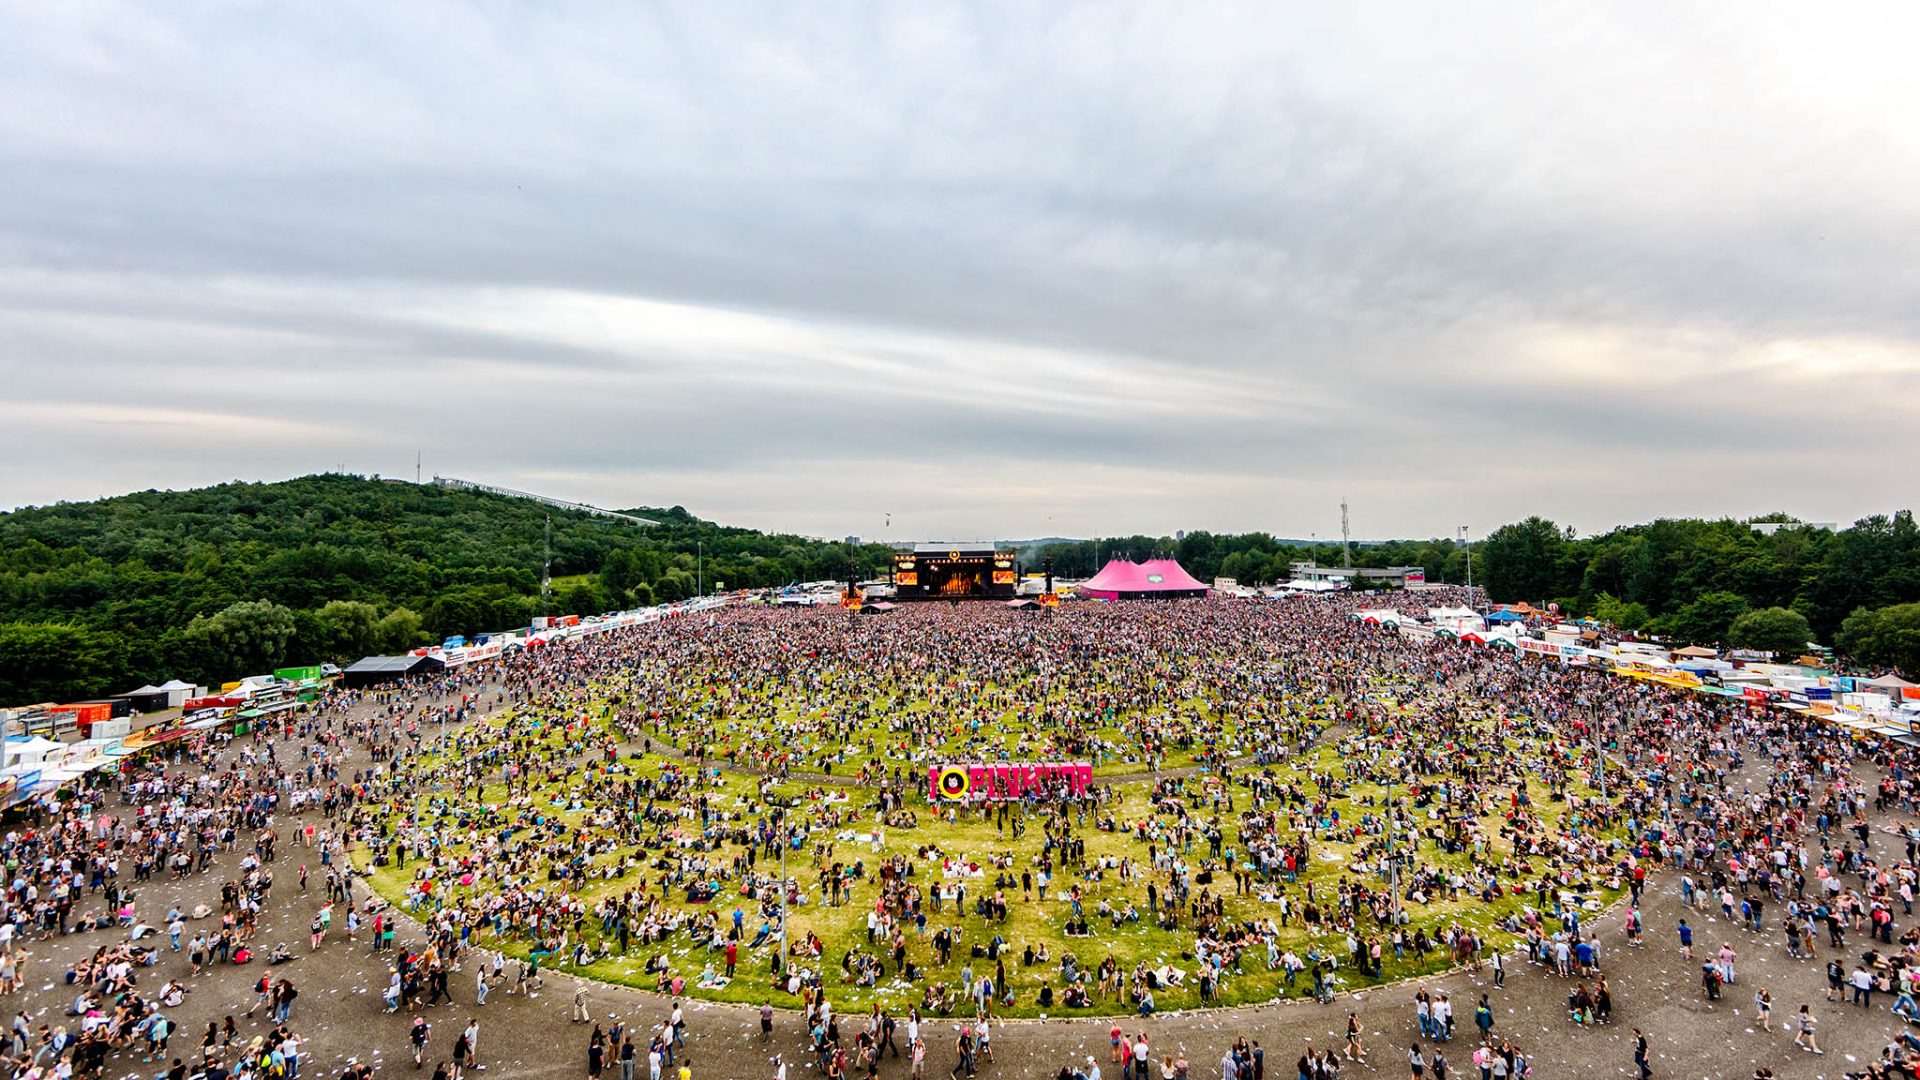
1564	652
1005	780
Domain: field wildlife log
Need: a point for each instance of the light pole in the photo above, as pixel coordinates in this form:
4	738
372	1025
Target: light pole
1599	746
786	842
1393	858
700	567
1466	545
853	586
1392	852
1046	565
780	947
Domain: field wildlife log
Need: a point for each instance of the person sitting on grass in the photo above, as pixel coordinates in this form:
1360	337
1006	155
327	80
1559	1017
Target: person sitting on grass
937	1000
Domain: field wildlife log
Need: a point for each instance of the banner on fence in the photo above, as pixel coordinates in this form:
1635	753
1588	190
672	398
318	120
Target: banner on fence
1006	780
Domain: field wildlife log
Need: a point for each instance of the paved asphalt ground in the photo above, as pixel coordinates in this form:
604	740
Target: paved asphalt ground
341	1015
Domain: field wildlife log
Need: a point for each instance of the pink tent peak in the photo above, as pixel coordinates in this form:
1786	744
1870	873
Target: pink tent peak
1154	577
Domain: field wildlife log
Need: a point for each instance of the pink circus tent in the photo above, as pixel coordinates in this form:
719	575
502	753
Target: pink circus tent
1122	579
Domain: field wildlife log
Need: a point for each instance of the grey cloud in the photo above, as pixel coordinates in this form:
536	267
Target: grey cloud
1370	213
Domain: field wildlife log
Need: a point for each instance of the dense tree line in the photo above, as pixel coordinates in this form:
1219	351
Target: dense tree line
211	584
1705	582
1726	582
1248	558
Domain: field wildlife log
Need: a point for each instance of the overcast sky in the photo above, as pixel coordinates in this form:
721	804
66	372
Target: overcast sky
1000	271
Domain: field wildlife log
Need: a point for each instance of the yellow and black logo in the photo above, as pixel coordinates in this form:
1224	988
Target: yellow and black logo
954	783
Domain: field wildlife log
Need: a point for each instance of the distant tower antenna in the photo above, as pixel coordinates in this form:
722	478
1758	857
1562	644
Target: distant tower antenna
416	466
546	568
1346	537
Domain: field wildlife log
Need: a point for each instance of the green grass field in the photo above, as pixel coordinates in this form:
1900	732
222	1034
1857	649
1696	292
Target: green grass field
1029	922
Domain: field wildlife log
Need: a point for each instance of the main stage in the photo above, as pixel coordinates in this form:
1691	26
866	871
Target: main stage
954	571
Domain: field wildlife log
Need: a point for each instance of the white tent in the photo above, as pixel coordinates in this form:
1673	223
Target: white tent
32	749
1460	620
178	692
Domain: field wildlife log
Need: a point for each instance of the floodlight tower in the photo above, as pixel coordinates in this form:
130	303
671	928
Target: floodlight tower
1466	542
546	567
1346	537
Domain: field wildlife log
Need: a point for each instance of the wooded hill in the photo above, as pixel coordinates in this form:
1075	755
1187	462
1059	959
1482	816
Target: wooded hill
210	584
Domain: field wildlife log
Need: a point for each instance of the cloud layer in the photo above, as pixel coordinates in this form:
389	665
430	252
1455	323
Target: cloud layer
996	270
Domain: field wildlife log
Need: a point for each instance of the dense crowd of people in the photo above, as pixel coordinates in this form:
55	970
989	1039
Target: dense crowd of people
1288	803
587	846
78	860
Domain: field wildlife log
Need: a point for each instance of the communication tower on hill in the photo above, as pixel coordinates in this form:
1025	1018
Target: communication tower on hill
1346	538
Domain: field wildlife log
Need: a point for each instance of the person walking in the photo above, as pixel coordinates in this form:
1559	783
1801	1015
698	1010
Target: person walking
1416	1065
596	1052
964	1046
1640	1054
417	1035
1862	981
1803	1037
1126	1052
